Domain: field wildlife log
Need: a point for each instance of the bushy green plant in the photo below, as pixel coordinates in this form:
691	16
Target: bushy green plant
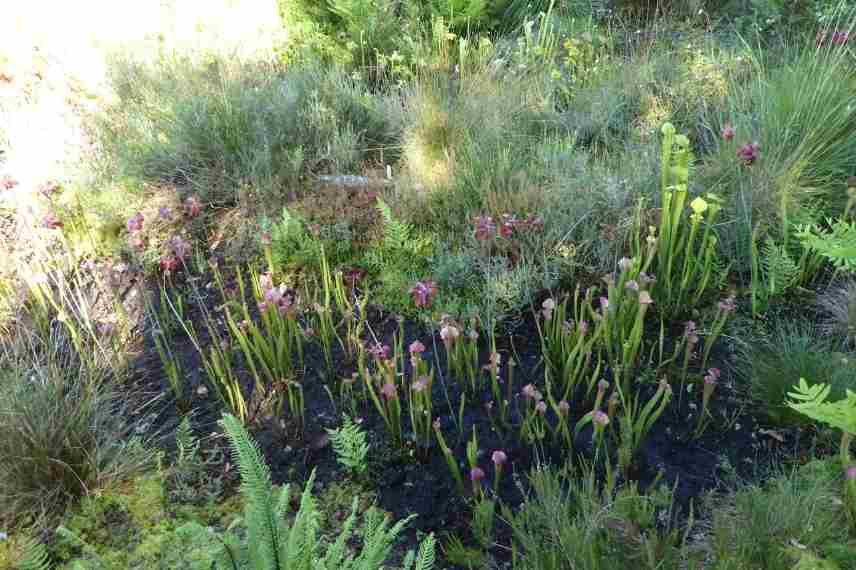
272	345
221	125
30	555
273	543
837	245
350	33
349	443
804	133
462	14
796	516
685	243
568	522
773	272
636	420
191	478
397	260
812	401
791	350
64	431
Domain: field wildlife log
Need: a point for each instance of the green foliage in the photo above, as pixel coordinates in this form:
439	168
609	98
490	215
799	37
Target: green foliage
779	271
686	243
773	272
838	244
350	445
570	522
348	32
794	517
399	246
262	509
462	14
64	428
141	524
274	544
636	420
398	259
812	401
484	514
790	351
34	556
292	244
424	559
191	478
224	125
777	19
805	135
456	552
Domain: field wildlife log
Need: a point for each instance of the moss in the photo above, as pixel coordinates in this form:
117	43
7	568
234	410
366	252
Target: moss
132	526
335	501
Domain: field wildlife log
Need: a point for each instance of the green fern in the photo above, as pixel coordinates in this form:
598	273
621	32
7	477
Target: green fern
780	271
400	247
292	244
811	401
398	260
186	444
256	486
349	443
34	556
774	271
424	560
838	245
273	544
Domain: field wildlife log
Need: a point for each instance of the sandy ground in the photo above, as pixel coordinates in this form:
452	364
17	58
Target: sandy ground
53	56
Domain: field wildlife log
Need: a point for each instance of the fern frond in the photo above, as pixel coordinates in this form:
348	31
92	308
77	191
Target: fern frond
336	557
299	548
780	270
257	489
350	445
838	245
34	556
378	538
185	442
425	559
283	503
811	402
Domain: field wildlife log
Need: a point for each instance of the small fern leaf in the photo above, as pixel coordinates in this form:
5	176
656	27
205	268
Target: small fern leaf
425	560
780	271
34	557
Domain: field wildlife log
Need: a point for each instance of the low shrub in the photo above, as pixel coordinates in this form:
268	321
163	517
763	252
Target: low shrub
222	125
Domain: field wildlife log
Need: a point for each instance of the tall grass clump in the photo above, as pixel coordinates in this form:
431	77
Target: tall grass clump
219	125
792	350
573	522
796	520
839	307
64	427
785	140
468	135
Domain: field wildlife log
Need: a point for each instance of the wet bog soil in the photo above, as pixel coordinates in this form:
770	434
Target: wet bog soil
406	482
